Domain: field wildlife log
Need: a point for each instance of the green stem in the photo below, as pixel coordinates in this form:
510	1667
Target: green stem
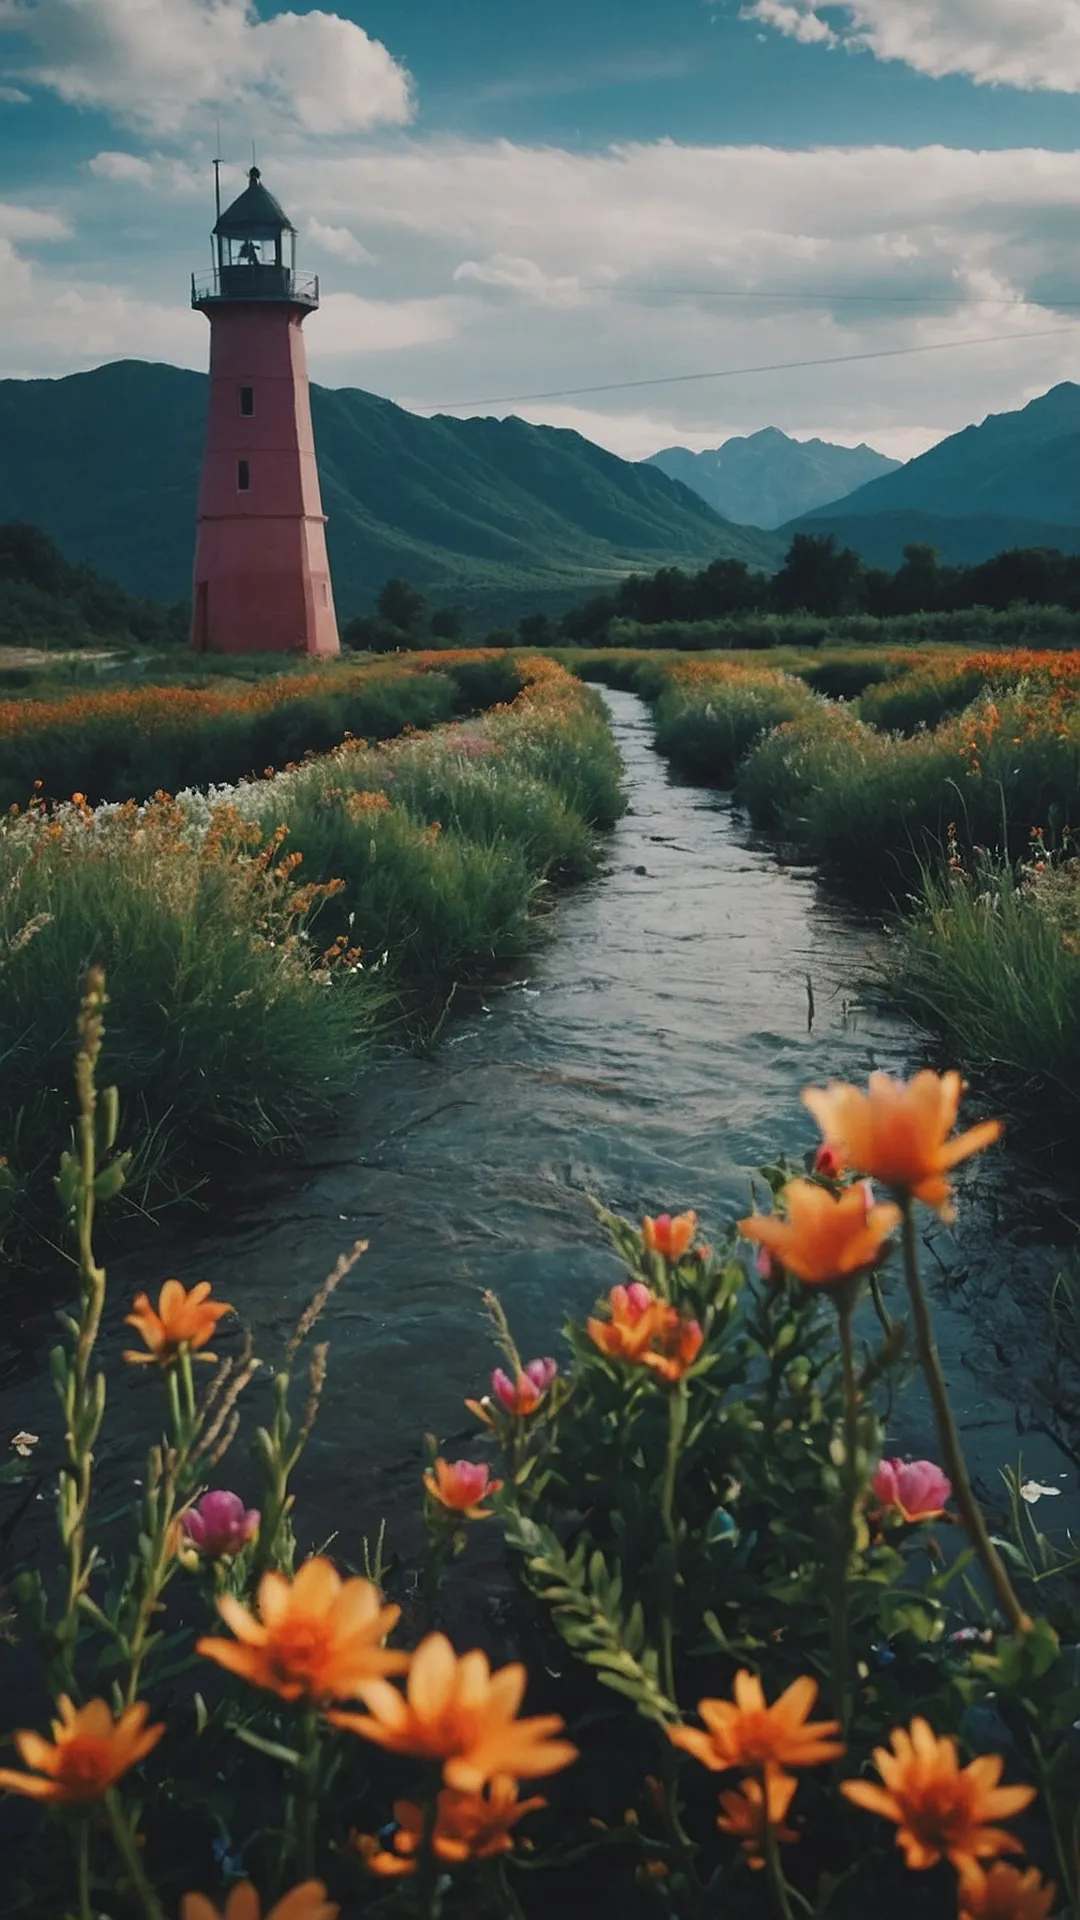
678	1405
512	1906
82	1867
427	1879
849	1483
952	1453
308	1792
127	1848
878	1299
773	1868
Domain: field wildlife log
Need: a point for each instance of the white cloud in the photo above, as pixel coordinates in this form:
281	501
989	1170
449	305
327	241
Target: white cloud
508	270
348	324
517	275
163	64
31	223
339	241
1018	43
14	97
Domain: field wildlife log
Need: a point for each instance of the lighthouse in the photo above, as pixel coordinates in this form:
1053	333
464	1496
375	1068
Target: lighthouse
262	577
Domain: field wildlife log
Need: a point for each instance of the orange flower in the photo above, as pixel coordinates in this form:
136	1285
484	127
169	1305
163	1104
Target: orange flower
940	1808
747	1733
461	1485
319	1636
306	1902
468	1826
896	1133
668	1236
91	1750
676	1345
646	1331
1001	1892
634	1316
458	1711
826	1237
744	1808
182	1320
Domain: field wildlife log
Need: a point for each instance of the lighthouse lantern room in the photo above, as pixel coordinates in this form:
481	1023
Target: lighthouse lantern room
262	577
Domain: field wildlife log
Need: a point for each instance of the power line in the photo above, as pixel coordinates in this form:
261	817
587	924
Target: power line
805	295
732	373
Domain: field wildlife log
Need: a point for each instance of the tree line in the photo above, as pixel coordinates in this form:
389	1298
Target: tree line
818	577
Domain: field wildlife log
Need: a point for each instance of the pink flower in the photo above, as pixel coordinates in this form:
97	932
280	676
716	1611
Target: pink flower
220	1524
827	1162
917	1489
541	1373
461	1486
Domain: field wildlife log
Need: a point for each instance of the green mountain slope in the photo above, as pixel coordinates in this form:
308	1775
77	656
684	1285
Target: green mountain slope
498	515
1019	466
767	478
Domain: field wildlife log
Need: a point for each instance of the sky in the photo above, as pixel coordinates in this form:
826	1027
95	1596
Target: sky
571	211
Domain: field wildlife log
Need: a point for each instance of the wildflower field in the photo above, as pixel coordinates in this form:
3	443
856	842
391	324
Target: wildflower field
129	742
756	1669
265	936
941	784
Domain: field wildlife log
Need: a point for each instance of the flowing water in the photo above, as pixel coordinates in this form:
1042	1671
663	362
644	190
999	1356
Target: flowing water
653	1056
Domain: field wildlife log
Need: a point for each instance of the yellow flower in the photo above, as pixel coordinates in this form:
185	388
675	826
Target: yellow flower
182	1319
468	1826
306	1902
90	1751
743	1812
897	1132
747	1733
458	1711
319	1636
941	1809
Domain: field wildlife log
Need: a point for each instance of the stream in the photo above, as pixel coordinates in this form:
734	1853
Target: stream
653	1055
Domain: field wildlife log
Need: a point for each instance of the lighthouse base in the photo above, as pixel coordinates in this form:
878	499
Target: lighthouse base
262	586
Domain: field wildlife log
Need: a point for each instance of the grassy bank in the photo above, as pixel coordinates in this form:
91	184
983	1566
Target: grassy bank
990	958
259	935
130	742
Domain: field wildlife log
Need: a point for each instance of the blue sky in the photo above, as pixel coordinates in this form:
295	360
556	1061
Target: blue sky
505	200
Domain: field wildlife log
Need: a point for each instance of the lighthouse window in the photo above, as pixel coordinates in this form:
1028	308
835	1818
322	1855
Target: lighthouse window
247	401
243	477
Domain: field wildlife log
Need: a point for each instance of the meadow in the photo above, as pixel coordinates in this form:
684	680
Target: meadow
267	936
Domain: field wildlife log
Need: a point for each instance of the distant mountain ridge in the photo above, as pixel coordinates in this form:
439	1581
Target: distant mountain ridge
1011	481
764	479
1023	465
498	515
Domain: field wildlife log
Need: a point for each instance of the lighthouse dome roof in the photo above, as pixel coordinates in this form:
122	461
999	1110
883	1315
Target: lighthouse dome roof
255	213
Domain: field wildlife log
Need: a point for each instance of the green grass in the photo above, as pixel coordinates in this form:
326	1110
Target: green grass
221	1034
990	961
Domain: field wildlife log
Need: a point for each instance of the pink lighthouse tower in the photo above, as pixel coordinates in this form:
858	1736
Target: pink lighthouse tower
262	577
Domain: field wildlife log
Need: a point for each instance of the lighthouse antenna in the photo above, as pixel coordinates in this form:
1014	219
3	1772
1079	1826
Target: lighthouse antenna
217	175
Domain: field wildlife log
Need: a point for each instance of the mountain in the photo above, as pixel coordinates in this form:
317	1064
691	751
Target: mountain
497	515
960	540
46	602
767	478
1021	466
